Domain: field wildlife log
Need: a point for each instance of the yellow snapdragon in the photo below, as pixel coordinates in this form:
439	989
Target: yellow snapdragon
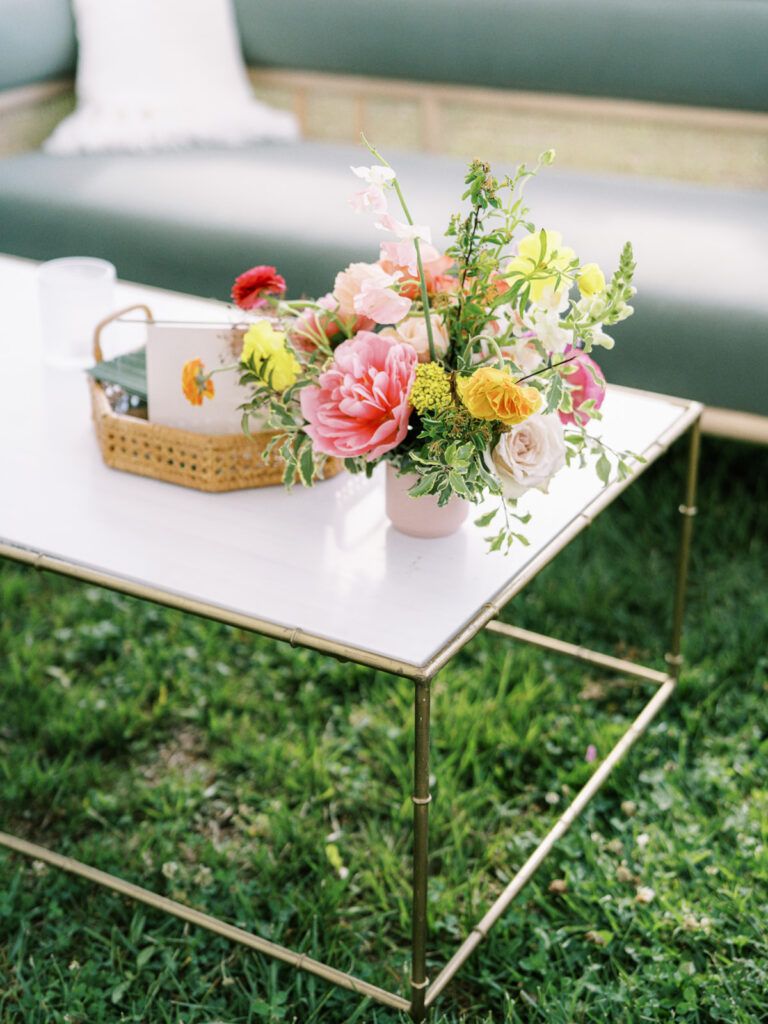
591	280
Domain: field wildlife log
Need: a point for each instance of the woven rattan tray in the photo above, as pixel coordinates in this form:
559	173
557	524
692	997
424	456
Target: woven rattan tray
206	462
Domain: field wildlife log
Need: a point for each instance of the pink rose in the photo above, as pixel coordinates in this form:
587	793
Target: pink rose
584	382
360	405
413	331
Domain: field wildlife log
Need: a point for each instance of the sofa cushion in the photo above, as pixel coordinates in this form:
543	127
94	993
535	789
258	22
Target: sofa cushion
192	88
194	221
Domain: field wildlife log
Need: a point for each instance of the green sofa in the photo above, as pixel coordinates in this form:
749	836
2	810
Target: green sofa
193	219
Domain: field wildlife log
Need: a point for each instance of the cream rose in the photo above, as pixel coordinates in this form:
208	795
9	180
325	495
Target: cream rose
529	455
413	331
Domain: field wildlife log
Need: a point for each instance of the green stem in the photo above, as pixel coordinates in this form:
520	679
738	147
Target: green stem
422	280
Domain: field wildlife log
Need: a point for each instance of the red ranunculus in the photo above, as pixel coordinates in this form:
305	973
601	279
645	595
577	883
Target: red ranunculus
249	289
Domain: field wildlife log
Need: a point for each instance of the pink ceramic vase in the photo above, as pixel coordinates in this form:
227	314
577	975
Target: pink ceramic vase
421	517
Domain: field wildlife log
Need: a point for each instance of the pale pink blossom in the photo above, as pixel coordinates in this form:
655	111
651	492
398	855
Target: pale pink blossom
378	299
360	405
585	381
407	232
413	331
529	455
373	197
401	255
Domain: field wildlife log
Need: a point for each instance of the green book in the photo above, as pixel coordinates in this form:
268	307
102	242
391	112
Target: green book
128	372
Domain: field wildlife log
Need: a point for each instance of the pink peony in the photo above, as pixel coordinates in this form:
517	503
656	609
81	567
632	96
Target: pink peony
360	406
584	382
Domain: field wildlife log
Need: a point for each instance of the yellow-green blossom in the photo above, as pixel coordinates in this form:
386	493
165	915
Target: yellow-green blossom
267	355
591	280
431	390
542	271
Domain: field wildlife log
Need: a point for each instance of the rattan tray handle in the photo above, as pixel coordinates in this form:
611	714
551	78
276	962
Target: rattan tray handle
97	353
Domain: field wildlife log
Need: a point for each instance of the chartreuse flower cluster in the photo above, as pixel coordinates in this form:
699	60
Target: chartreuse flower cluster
469	367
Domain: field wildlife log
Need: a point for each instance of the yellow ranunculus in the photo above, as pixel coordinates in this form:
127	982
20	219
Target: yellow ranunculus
541	273
591	280
267	355
491	394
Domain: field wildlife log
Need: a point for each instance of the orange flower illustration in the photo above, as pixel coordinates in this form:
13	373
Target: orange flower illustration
195	382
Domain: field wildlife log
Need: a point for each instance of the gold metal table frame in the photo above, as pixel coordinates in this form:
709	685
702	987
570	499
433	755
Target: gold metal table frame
423	991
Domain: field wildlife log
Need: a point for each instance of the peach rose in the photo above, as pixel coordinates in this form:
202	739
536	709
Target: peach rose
529	455
413	331
491	394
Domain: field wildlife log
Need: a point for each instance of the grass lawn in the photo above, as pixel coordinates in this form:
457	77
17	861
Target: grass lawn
271	787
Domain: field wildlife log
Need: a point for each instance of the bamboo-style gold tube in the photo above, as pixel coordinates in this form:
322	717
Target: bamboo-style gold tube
298	960
688	511
421	801
550	643
480	930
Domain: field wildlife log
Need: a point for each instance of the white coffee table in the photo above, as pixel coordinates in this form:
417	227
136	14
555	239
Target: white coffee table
319	568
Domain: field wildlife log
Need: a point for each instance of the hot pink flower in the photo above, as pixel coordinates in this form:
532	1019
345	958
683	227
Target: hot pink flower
585	381
360	406
248	289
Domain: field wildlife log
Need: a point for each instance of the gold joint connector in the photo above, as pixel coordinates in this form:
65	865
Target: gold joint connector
294	634
422	799
37	564
688	510
420	984
587	518
673	659
480	931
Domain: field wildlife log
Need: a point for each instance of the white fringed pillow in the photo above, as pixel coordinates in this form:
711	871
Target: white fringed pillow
160	74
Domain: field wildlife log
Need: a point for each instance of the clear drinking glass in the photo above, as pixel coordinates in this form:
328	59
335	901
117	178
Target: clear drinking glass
76	293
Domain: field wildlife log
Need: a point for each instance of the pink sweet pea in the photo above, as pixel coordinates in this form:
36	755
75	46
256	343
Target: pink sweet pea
373	198
378	299
360	405
584	382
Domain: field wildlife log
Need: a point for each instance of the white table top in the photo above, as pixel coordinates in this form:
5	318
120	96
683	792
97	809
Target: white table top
323	561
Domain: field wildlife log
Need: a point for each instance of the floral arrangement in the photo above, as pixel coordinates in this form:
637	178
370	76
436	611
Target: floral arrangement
468	368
